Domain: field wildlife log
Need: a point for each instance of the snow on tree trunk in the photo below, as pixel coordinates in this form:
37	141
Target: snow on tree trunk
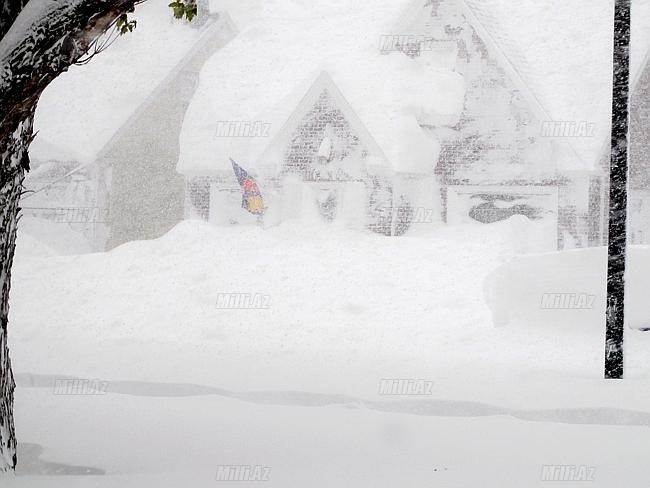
618	194
39	40
13	161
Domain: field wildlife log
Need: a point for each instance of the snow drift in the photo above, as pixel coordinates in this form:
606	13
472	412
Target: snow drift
564	289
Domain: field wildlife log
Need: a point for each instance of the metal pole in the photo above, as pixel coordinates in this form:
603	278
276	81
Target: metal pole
618	182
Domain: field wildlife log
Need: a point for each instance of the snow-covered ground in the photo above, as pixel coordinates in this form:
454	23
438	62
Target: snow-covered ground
292	382
170	442
163	362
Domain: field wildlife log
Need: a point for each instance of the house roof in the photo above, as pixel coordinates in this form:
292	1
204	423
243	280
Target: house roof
84	107
221	29
557	53
562	50
264	73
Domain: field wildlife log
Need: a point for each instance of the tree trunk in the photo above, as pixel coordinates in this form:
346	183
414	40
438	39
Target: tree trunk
617	235
39	40
13	163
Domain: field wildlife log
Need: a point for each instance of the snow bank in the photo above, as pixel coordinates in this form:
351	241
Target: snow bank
28	246
566	289
344	309
328	300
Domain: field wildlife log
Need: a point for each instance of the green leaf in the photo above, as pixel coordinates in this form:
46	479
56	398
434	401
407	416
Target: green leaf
184	8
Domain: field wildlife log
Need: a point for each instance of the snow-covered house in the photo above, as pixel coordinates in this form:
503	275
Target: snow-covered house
533	134
146	193
304	100
510	119
378	115
121	115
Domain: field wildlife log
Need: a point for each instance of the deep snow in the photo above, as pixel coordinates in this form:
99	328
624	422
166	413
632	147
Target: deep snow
294	382
346	310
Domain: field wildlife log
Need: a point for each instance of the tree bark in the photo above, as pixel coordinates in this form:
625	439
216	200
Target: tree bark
35	48
13	161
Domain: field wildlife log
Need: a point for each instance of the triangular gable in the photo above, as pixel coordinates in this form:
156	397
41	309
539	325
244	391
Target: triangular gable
412	18
472	9
507	54
573	45
323	82
504	51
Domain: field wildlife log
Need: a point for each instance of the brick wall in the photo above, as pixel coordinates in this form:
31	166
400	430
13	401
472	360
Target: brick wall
198	194
303	148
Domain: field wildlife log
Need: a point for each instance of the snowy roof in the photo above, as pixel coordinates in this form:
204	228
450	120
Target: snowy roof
264	73
83	108
558	53
562	50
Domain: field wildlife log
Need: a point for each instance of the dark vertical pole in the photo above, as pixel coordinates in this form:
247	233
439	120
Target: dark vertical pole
618	173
